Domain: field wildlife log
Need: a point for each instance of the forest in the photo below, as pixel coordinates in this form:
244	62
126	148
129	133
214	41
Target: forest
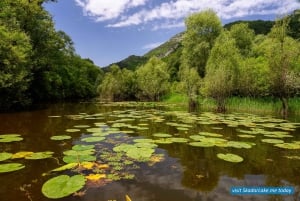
217	62
242	59
37	62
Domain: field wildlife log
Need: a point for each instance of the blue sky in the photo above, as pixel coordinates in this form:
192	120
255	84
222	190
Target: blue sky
108	31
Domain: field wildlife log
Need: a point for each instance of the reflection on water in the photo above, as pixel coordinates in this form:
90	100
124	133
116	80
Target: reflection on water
187	174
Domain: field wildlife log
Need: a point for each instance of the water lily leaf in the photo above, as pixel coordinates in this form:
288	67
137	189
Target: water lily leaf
140	154
210	134
60	137
87	165
164	141
123	147
162	135
143	140
196	137
62	186
182	128
78	159
79	153
239	145
288	145
10	167
40	155
22	154
145	145
81	126
80	147
4	156
94	130
293	157
93	139
230	157
65	167
179	139
272	141
10	138
202	144
72	130
246	136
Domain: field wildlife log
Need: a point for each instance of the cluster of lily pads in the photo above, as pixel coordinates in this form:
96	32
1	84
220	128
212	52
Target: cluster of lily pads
113	144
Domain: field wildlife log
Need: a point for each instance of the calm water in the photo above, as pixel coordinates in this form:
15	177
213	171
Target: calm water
187	173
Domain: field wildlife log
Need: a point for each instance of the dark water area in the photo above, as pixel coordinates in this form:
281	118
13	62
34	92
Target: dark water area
186	173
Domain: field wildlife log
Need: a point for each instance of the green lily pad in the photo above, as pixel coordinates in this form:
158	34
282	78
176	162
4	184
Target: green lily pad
162	135
10	167
78	153
164	141
40	155
179	139
81	126
123	147
182	128
272	141
62	186
78	158
145	145
93	139
60	137
143	140
4	156
230	157
288	145
246	136
22	154
80	147
72	130
239	145
140	154
94	130
10	138
202	144
210	134
196	137
65	167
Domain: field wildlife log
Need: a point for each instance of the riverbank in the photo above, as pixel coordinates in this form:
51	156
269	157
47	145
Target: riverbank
240	104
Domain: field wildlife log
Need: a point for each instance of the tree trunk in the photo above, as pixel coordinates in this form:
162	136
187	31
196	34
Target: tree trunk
285	107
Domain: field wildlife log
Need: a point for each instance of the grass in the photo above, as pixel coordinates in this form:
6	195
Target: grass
240	104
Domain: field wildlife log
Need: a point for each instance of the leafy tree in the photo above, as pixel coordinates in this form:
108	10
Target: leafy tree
243	36
201	31
152	79
14	67
222	70
253	79
190	83
282	53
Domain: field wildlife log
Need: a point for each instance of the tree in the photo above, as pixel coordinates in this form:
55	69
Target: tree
190	83
201	31
222	70
14	67
243	37
282	53
152	79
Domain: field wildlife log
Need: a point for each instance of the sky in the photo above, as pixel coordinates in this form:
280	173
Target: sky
107	31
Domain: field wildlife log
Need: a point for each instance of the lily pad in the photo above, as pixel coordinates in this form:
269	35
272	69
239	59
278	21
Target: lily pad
288	145
4	156
123	147
93	139
162	135
60	137
10	138
40	155
10	167
81	126
22	154
179	139
62	186
78	153
72	130
78	159
140	154
65	167
210	134
80	147
202	144
272	141
230	157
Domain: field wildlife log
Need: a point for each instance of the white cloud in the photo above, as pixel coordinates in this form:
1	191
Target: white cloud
103	10
151	45
172	12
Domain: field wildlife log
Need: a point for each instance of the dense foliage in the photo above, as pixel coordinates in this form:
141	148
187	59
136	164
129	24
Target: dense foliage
37	62
250	59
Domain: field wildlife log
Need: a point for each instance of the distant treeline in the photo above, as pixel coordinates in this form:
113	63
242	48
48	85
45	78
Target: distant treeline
248	59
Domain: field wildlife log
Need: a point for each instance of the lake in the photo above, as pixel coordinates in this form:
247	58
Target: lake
145	151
